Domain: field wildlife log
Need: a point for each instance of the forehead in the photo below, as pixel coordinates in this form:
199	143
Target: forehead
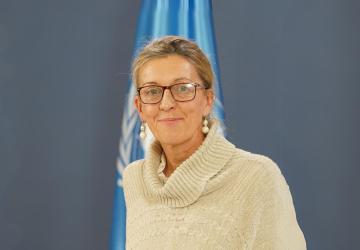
166	70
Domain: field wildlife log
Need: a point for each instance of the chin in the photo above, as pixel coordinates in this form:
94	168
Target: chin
171	138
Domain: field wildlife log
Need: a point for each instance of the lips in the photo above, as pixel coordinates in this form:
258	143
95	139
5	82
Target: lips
169	121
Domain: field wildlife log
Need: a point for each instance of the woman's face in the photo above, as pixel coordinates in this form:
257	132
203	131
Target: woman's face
171	122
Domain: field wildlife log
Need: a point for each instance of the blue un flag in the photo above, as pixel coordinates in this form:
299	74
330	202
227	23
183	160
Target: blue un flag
188	18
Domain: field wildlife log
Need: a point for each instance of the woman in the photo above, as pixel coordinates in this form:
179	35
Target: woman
195	189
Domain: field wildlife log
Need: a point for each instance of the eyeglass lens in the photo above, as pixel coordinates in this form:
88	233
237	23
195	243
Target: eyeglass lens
180	92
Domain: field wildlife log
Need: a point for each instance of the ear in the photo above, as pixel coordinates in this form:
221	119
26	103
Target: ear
137	104
210	98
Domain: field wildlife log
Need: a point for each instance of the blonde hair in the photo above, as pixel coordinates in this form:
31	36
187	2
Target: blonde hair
174	45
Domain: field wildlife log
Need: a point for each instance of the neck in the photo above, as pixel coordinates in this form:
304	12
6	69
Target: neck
176	154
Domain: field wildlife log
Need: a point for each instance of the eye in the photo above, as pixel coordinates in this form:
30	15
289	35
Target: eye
152	91
183	88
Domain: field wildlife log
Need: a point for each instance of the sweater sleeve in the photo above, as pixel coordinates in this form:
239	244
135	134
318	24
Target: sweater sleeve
278	227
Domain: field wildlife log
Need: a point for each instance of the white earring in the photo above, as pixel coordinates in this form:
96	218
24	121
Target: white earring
142	131
205	128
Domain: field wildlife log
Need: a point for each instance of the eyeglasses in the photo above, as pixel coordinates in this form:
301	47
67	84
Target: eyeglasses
181	92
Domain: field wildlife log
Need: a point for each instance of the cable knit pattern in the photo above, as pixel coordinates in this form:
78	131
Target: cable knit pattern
221	197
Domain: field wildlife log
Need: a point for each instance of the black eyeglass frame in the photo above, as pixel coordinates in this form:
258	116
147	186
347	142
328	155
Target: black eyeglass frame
196	85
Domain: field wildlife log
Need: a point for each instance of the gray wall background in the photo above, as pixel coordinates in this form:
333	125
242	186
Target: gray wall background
290	73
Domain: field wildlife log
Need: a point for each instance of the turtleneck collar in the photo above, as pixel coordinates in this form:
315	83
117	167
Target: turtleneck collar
187	183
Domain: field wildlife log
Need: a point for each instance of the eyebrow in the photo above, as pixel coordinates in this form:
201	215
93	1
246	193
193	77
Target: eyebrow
181	78
175	80
149	83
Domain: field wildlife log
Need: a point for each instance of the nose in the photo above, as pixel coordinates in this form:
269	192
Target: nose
167	101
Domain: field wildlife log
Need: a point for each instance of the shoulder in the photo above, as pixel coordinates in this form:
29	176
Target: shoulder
259	165
260	173
132	172
133	167
270	202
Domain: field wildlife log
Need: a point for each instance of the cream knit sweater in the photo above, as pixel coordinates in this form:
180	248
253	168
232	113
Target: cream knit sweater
221	197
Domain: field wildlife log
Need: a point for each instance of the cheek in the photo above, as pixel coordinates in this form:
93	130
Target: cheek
149	112
199	106
194	113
